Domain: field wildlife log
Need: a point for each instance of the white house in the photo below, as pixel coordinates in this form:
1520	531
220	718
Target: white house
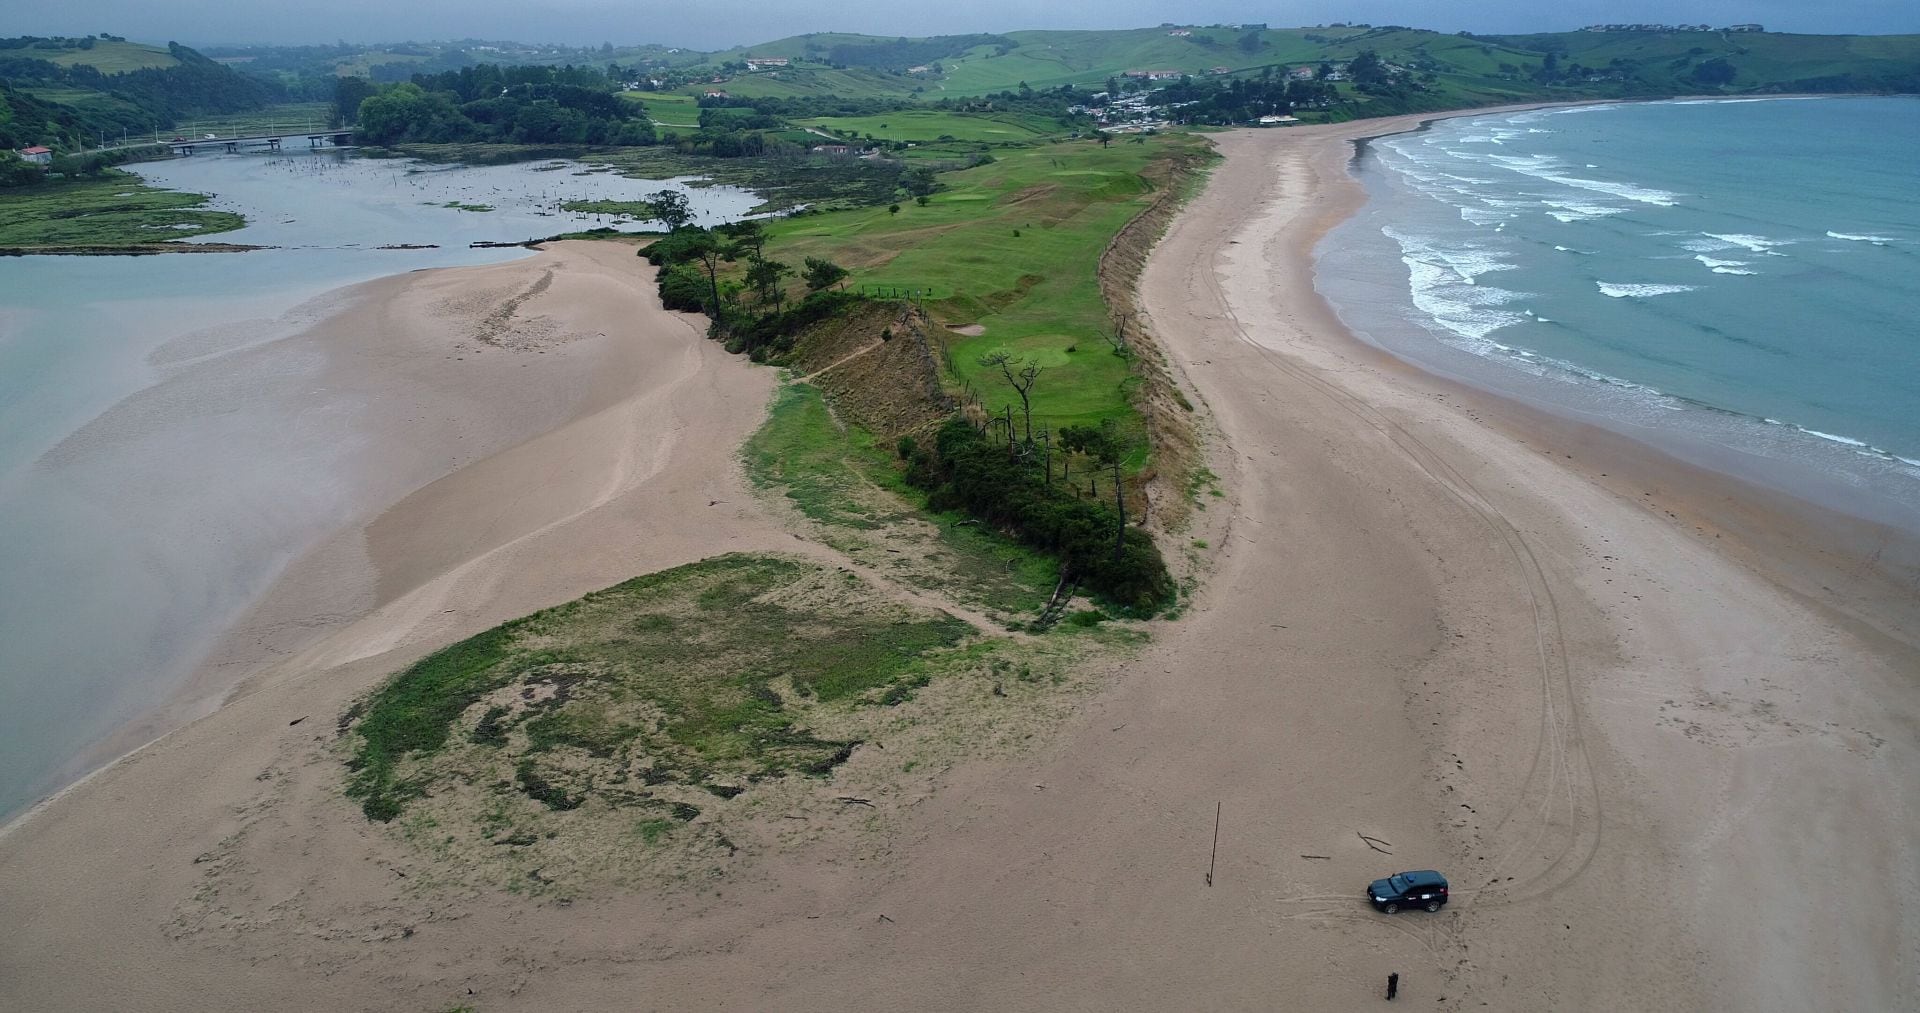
37	154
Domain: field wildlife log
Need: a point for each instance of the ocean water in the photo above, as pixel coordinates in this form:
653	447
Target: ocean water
140	514
1733	281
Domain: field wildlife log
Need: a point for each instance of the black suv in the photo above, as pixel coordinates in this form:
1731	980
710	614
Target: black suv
1425	888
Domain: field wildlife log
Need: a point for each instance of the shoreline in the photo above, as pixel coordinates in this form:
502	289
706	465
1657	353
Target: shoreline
390	339
1817	550
1414	628
1621	547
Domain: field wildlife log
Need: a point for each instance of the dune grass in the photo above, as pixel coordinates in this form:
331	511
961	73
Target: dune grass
693	676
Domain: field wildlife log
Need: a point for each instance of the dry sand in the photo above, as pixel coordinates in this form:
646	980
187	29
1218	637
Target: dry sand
1656	779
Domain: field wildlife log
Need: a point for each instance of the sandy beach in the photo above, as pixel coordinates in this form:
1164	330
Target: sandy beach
1659	744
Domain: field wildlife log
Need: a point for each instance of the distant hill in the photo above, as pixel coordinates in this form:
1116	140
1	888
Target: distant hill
60	90
1458	69
107	54
69	93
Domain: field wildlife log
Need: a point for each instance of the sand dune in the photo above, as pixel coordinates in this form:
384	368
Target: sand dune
1657	780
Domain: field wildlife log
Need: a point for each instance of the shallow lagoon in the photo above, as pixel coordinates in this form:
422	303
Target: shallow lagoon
111	587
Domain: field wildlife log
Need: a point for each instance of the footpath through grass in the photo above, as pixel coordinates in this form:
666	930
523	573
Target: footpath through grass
115	210
1012	246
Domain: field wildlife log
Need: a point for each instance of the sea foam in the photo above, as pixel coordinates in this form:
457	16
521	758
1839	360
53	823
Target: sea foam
1639	291
1723	266
1875	240
1756	244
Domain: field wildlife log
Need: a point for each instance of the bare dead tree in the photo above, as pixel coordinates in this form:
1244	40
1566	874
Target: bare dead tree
1021	379
1118	339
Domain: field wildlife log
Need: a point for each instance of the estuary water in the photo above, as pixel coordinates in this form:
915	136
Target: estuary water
137	520
1732	281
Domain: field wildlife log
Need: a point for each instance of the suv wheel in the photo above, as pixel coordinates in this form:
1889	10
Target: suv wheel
1391	909
1433	905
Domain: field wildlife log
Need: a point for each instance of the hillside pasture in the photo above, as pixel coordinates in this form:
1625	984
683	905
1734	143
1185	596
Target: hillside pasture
108	57
920	125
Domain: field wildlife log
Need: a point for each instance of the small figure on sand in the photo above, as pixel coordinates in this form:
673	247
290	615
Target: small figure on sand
1393	985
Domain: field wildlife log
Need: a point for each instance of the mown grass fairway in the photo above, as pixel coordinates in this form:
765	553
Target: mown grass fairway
938	125
1014	247
117	210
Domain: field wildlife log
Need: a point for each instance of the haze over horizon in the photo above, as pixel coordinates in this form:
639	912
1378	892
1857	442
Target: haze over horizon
723	24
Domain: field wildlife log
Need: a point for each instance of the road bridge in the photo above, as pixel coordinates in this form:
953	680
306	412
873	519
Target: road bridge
271	141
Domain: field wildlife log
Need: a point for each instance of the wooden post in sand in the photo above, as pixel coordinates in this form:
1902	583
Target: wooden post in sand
1214	857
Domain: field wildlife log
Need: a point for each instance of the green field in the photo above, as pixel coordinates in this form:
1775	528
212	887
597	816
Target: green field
107	57
117	210
812	79
668	109
937	125
1013	247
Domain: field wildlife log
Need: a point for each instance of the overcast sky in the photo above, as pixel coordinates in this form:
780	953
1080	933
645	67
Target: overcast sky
720	24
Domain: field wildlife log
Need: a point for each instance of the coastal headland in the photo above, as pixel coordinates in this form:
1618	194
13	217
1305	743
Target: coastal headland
1426	634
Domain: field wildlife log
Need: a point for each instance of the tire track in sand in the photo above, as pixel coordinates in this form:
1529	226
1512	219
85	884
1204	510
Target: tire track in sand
1551	828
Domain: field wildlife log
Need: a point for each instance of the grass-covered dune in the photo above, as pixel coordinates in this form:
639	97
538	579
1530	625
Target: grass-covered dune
695	679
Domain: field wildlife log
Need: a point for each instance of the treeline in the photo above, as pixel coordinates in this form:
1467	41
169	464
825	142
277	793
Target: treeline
492	104
1013	487
1241	100
134	102
1054	102
749	313
799	107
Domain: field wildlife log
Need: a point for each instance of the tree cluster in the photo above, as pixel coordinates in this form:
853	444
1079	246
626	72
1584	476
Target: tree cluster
517	105
970	472
1243	100
751	314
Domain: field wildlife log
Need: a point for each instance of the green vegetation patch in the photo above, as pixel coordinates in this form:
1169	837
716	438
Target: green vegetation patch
784	184
1013	247
839	476
919	125
639	210
700	675
115	210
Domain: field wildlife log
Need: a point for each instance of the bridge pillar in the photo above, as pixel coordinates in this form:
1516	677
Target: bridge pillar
233	147
273	144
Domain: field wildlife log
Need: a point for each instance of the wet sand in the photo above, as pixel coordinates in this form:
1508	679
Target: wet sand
1657	778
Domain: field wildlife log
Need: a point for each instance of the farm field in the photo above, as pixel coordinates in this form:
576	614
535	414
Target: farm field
938	125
